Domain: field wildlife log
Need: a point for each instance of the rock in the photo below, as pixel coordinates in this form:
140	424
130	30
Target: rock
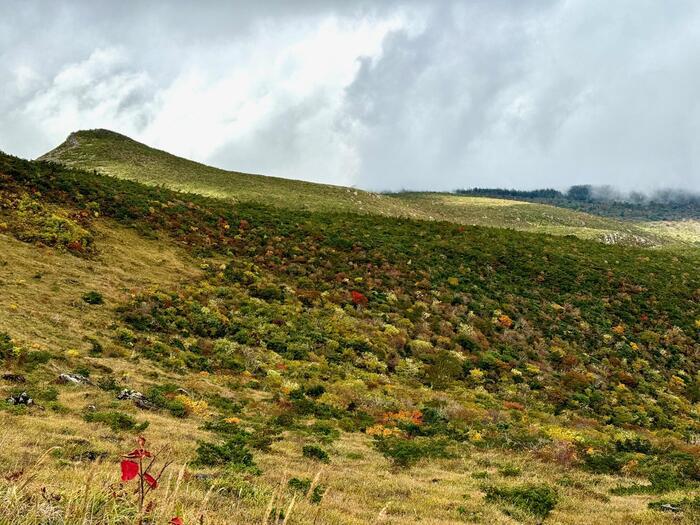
21	399
14	378
200	476
75	379
138	398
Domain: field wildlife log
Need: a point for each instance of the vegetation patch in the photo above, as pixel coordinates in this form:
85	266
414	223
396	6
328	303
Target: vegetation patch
116	421
232	453
537	500
405	453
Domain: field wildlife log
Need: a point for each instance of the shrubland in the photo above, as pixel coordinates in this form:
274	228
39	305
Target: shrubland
535	373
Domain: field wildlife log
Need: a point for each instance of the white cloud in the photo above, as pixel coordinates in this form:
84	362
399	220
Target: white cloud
397	94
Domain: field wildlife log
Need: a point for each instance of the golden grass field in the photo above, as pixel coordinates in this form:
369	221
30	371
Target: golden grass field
42	482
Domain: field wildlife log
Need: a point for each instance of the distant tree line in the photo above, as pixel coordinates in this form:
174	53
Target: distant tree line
606	200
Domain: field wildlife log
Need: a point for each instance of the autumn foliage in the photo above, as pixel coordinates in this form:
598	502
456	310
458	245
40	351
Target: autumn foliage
140	465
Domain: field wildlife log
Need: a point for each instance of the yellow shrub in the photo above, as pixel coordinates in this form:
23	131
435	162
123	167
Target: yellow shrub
381	430
563	434
475	436
476	374
192	406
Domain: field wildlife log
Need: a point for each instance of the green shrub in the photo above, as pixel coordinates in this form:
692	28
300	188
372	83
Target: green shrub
606	462
323	431
233	453
82	371
407	452
315	452
538	500
634	444
303	485
6	346
34	359
95	347
117	421
661	480
162	396
261	439
317	494
299	484
47	394
108	383
93	297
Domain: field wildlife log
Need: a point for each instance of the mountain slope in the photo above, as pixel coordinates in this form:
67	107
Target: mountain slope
119	156
447	373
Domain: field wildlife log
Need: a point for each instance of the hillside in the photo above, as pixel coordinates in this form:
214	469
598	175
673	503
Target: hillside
119	156
662	205
334	367
542	218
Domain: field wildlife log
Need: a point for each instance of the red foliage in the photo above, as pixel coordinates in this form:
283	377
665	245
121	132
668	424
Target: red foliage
130	469
176	521
358	298
75	246
133	467
152	482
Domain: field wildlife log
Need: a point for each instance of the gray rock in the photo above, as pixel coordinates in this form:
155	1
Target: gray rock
75	379
138	399
21	399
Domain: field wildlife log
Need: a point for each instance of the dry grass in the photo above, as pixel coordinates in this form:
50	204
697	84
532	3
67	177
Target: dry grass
360	486
40	483
41	288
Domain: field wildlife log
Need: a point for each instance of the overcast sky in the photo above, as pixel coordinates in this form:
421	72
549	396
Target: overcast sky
377	94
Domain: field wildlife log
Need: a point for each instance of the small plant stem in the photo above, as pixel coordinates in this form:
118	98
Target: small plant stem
141	494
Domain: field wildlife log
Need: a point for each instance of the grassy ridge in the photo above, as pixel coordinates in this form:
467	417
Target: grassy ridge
120	156
375	343
531	216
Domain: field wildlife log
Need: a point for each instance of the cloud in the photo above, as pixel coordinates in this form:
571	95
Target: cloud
382	95
574	92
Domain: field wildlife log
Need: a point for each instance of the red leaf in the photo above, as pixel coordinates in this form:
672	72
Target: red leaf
358	298
139	453
130	469
150	480
177	521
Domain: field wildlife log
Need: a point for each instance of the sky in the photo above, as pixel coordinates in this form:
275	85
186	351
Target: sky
381	95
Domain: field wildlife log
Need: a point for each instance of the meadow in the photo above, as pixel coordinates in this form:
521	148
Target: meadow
322	366
113	154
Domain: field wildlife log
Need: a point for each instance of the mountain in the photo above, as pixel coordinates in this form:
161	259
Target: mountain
332	366
119	156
